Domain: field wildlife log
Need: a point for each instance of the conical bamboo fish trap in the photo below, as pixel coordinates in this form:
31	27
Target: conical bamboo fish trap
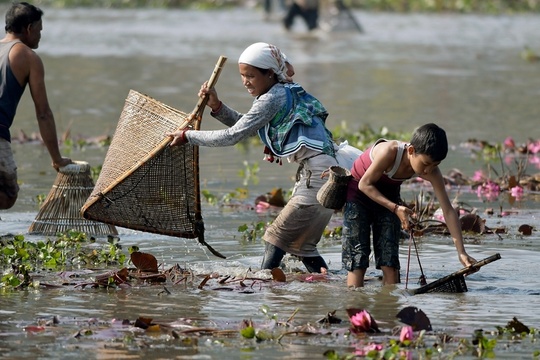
145	184
60	211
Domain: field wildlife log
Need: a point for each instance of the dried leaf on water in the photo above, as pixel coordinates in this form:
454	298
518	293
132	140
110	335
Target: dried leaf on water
525	229
517	326
144	261
472	223
278	275
414	317
330	318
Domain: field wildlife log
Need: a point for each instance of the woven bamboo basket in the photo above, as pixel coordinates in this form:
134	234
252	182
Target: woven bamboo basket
60	211
333	193
145	184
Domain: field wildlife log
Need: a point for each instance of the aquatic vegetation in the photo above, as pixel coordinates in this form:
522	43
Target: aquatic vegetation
71	248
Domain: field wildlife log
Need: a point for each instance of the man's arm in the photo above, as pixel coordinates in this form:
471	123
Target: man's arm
44	115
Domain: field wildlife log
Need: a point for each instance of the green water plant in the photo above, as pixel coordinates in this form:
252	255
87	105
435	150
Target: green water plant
19	257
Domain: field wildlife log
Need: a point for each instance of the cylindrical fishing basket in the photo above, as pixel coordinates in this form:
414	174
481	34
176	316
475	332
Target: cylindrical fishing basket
333	193
60	211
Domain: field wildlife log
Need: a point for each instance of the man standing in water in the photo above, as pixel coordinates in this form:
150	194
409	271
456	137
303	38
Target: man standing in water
19	66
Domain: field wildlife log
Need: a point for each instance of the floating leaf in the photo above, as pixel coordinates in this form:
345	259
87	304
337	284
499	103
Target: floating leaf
414	317
248	332
278	275
525	229
472	223
330	318
144	261
276	198
517	326
143	323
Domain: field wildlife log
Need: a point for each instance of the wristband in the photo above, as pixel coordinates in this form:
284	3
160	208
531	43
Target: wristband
218	108
395	208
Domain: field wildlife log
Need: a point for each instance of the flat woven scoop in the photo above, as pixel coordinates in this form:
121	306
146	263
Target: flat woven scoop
60	212
455	282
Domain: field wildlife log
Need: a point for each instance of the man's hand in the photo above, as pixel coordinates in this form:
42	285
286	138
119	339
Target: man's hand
61	163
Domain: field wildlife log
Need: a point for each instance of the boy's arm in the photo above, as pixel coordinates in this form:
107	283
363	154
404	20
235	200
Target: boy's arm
384	156
450	215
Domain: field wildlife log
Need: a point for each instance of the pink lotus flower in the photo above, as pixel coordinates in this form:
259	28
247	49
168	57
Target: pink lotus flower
407	333
509	143
535	160
478	175
364	351
534	147
517	192
362	321
490	190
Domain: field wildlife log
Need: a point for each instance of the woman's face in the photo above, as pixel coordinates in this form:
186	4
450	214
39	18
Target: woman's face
254	80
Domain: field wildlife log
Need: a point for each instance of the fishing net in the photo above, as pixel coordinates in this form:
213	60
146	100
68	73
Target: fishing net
145	184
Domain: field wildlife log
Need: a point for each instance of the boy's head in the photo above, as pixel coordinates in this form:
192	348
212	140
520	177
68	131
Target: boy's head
430	140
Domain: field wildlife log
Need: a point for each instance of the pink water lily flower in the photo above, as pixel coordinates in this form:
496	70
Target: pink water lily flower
407	333
534	147
364	351
517	192
509	143
490	190
361	320
478	175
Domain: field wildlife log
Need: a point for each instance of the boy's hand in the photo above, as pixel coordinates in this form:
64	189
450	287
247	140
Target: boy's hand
403	214
466	260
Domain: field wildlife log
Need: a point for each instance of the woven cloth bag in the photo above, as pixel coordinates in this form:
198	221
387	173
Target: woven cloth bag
333	193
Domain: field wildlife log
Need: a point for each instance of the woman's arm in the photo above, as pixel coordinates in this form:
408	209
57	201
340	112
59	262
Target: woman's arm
261	113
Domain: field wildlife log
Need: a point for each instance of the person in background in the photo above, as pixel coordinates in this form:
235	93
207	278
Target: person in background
268	7
19	66
307	9
291	124
373	202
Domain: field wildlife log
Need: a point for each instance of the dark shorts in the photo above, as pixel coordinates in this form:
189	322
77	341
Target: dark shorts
8	170
358	224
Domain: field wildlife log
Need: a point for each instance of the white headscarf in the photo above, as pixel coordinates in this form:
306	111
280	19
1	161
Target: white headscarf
266	56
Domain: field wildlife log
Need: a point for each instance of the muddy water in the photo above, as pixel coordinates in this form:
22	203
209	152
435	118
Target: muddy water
463	72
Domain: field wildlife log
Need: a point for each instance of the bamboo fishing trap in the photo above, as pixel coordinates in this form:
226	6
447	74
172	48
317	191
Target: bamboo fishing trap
145	184
60	212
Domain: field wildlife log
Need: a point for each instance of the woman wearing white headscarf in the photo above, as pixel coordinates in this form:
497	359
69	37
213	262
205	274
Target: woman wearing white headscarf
291	124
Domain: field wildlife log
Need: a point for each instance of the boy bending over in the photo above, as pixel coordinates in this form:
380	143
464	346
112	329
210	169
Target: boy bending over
373	202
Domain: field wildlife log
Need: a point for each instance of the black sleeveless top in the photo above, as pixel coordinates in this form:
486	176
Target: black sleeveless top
10	91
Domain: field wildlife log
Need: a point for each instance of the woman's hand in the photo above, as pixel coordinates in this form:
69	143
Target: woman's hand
213	100
179	137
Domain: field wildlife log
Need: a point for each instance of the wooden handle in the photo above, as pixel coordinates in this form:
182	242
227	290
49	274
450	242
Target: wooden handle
199	108
479	264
